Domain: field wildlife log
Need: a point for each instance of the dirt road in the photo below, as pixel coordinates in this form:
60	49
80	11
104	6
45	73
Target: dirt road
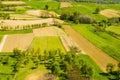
101	58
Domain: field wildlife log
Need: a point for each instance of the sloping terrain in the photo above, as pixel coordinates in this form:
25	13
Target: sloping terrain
101	58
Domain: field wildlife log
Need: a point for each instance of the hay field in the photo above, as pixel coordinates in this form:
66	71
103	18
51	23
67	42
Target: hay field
20	41
42	13
65	4
110	13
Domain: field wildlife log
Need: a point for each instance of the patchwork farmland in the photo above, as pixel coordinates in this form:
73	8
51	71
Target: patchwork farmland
59	40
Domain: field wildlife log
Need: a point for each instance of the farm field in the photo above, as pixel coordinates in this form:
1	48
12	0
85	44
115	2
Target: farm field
46	43
90	49
59	40
101	40
115	29
20	41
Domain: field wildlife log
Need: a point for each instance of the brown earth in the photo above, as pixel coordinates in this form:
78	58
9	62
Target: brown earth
42	13
20	41
100	57
110	13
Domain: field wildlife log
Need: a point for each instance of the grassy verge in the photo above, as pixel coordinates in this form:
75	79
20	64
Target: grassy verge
1	36
104	41
15	32
47	43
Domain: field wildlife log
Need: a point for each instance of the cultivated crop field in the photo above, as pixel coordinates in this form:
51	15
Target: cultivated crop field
47	43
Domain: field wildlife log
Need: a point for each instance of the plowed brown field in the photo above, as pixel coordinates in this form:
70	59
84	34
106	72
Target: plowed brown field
101	58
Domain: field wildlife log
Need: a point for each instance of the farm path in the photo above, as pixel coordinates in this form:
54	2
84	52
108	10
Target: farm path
101	58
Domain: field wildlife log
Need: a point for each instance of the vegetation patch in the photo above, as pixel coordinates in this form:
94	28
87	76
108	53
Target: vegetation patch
47	43
100	39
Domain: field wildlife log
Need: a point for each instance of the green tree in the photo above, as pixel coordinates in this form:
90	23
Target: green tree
46	7
110	67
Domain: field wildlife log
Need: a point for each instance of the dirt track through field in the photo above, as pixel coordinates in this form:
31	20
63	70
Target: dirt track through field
101	58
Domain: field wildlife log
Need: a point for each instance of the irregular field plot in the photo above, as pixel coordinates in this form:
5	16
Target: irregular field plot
22	16
65	4
20	41
110	13
115	29
47	43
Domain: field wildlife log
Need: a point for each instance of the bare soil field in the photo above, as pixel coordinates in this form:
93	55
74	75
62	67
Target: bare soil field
65	4
20	41
68	43
110	13
42	13
100	57
23	17
40	75
13	2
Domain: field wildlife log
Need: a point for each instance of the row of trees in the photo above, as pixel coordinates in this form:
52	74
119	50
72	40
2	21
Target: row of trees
76	17
67	66
23	27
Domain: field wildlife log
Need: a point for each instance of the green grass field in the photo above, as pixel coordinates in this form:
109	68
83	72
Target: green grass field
115	29
41	5
102	40
47	43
